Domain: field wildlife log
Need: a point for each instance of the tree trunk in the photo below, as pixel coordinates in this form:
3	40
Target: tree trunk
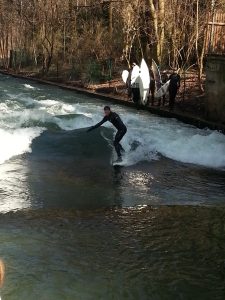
161	29
158	16
110	19
153	17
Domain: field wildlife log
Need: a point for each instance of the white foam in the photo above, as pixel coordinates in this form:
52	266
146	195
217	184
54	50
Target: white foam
4	108
203	148
26	117
48	102
54	107
33	115
21	98
28	86
74	123
16	142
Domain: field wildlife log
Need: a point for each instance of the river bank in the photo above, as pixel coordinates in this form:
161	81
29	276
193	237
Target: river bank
114	91
74	227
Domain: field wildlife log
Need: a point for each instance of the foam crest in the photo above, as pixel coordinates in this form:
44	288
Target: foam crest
4	108
80	121
28	86
23	99
17	142
56	107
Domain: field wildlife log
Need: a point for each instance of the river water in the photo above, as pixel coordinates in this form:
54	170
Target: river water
74	227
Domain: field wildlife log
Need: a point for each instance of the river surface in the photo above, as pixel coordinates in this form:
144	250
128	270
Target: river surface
72	226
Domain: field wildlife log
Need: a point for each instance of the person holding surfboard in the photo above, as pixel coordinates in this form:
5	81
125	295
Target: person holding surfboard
115	119
134	80
164	79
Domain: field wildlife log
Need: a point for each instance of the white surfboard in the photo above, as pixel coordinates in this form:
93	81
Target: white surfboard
135	74
157	75
163	90
125	75
144	82
118	164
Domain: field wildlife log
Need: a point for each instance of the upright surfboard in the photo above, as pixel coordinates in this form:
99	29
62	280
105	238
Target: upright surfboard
157	75
144	82
125	75
135	74
163	90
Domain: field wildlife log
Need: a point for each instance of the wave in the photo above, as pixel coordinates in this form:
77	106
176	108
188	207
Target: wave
206	148
28	86
172	140
153	137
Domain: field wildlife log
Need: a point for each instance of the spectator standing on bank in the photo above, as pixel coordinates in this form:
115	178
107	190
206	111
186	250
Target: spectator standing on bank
135	73
173	88
164	79
152	87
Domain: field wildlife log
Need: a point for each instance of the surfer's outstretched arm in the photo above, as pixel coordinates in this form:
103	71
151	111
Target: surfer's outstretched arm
105	119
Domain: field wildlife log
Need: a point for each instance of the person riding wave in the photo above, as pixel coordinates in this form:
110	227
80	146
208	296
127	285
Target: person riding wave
115	119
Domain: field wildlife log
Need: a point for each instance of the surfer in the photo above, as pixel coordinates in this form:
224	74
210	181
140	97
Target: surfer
173	87
118	123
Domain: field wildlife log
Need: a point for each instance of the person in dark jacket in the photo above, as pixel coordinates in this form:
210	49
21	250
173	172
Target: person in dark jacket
128	86
115	119
173	88
152	87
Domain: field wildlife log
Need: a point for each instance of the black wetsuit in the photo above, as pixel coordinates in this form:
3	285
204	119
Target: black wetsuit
164	78
173	88
152	87
128	86
118	123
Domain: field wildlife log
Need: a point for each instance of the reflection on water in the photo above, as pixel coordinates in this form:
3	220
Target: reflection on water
144	253
141	180
2	273
165	182
14	191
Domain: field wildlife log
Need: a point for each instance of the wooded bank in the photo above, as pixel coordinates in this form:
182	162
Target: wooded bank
92	40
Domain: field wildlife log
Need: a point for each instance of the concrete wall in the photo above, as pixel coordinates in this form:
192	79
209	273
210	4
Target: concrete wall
215	88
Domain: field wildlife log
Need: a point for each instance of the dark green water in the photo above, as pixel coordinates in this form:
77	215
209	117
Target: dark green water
74	227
